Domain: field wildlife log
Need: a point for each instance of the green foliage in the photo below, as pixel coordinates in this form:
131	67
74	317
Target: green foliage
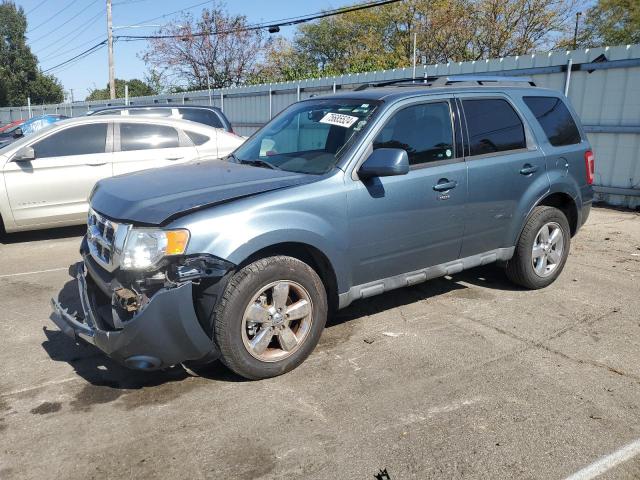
383	37
19	74
137	88
613	22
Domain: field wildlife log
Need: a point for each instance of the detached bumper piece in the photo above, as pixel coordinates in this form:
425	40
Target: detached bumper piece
163	333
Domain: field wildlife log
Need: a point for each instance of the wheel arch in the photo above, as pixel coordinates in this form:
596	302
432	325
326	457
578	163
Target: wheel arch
566	204
307	253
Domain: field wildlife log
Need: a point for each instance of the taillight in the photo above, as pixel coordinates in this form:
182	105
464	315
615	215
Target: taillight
590	166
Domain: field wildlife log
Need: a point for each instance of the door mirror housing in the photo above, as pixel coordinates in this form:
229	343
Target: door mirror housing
385	162
17	133
25	154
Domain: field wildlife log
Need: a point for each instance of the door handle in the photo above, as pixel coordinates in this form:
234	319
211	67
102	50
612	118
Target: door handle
443	185
174	158
528	169
95	164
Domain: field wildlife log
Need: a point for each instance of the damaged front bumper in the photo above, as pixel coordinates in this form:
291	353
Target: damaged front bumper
164	332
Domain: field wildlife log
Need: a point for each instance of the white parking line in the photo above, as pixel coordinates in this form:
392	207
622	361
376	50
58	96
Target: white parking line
33	273
37	387
607	463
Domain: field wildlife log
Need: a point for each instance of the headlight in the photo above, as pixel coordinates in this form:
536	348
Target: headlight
146	247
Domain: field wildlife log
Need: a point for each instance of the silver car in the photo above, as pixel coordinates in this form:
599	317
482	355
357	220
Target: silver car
48	176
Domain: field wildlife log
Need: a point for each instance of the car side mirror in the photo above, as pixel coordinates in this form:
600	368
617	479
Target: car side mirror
385	162
25	154
17	133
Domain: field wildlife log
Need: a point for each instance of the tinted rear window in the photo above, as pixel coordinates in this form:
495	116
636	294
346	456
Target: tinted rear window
206	117
493	126
140	136
197	138
555	119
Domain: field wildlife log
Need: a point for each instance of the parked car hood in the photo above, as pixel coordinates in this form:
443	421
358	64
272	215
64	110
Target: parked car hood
155	196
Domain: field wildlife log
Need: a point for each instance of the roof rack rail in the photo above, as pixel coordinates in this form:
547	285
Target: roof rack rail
483	80
386	83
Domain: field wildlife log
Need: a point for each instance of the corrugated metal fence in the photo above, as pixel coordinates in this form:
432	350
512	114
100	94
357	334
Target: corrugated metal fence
603	85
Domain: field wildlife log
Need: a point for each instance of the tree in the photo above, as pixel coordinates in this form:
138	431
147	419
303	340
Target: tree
610	22
224	57
137	88
19	74
518	27
447	30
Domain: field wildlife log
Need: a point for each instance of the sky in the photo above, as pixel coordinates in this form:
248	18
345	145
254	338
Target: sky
57	30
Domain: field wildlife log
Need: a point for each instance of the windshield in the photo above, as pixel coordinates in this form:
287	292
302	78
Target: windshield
308	137
9	131
23	140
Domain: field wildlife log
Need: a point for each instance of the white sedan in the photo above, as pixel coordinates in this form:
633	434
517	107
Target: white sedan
48	176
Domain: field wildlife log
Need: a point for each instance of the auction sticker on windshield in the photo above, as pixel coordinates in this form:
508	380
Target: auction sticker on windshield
339	119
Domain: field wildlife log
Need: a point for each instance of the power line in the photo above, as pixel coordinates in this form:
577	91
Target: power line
36	7
128	2
83	54
261	26
63	23
173	13
51	18
287	22
55	54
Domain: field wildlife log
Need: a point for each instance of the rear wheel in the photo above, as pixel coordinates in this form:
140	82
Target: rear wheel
270	317
542	249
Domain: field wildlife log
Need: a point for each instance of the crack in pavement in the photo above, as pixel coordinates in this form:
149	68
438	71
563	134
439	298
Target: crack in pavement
541	344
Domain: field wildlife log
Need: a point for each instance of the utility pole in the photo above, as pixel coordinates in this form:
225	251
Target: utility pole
415	53
575	32
112	80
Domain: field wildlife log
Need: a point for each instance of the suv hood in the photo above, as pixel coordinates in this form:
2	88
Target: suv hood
155	196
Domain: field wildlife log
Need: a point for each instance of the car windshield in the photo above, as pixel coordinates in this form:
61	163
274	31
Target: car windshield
308	137
24	140
11	130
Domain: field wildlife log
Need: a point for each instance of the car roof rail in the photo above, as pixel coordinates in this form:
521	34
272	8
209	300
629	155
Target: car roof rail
482	80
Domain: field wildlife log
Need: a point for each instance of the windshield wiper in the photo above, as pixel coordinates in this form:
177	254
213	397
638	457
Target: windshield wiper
258	163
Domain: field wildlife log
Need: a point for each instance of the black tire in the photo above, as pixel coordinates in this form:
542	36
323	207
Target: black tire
520	269
240	291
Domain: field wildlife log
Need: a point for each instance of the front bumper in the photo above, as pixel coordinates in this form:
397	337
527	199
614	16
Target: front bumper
163	333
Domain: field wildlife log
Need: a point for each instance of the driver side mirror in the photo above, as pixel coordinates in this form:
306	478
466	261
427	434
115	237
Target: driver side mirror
25	154
385	162
17	133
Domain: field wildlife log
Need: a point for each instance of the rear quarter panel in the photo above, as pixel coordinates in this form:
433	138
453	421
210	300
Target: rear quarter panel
565	165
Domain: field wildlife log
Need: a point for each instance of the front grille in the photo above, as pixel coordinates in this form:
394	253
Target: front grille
105	239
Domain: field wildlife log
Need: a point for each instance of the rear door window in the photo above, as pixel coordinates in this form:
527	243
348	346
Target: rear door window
555	119
206	117
81	140
493	126
424	131
140	136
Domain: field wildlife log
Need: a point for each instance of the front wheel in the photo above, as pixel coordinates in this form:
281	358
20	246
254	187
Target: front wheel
542	249
270	317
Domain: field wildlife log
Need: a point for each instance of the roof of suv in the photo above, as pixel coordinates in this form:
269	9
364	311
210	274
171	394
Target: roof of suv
392	90
393	93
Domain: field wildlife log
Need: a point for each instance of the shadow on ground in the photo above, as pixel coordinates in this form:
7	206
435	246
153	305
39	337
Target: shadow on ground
97	369
39	235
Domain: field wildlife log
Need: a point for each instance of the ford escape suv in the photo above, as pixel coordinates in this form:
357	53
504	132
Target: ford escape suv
338	198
